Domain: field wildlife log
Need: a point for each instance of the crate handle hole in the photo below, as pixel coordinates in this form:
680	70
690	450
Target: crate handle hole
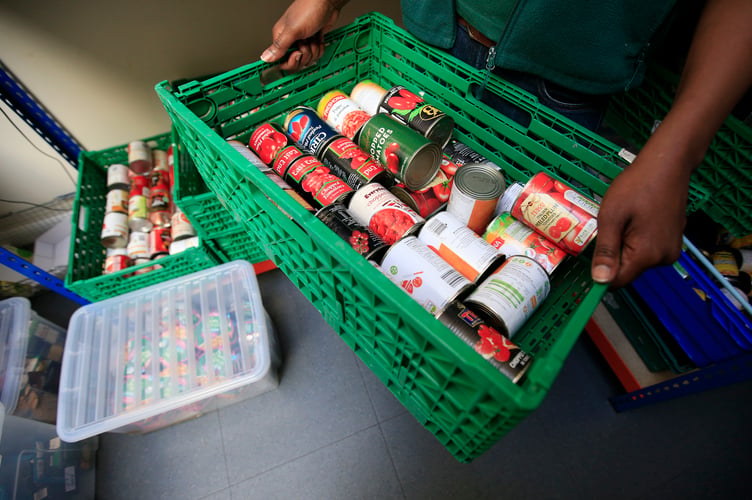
362	43
205	109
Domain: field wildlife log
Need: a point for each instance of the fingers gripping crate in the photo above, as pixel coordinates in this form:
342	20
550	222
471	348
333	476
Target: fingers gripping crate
454	393
87	254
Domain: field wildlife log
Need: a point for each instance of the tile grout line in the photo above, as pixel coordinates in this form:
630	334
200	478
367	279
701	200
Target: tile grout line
224	453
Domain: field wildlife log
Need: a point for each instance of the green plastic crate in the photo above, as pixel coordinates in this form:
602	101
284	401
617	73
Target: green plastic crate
87	255
721	186
455	394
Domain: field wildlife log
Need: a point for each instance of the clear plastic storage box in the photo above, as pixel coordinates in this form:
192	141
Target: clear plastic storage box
154	357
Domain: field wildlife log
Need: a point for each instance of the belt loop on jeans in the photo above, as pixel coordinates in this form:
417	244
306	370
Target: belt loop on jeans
475	34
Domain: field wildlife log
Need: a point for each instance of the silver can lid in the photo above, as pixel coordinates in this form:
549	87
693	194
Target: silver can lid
480	181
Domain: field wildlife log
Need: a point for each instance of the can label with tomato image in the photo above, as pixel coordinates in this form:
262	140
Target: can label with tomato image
512	237
424	202
314	182
267	140
285	158
352	164
494	347
116	260
359	237
159	242
386	215
409	156
308	130
342	113
425	276
460	246
413	111
509	296
558	212
475	192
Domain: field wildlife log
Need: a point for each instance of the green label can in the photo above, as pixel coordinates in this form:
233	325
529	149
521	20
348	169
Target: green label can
412	158
412	110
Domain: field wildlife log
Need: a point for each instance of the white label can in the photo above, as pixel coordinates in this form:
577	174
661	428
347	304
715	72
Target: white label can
377	208
138	245
115	230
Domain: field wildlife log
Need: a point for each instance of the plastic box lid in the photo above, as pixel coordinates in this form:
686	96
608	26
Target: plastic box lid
161	349
15	315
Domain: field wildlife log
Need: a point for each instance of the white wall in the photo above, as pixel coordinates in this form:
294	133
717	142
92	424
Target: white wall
94	65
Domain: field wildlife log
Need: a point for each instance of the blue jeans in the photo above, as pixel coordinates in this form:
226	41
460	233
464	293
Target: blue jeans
584	109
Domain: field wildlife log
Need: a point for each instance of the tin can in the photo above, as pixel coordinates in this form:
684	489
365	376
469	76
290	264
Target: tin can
353	165
460	246
139	157
160	218
359	237
172	150
159	242
159	195
308	130
315	183
475	191
117	201
509	296
114	230
159	159
267	140
142	270
413	111
409	156
461	154
181	227
376	207
117	259
184	244
558	212
494	347
424	202
117	177
512	237
138	245
425	276
138	209
509	198
341	112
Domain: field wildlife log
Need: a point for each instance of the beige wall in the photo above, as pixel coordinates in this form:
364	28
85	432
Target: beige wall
94	65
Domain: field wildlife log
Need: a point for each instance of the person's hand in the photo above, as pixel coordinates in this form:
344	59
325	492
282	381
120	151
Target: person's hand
642	219
304	22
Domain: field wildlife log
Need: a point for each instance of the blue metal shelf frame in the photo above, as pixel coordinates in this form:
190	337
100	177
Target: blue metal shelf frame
45	279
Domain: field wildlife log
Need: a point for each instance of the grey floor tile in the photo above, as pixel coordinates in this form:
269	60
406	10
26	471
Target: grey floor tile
385	404
358	467
182	461
224	494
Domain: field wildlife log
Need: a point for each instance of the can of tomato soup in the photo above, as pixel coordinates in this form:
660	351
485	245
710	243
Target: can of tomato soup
425	202
460	246
159	242
512	237
308	130
315	183
558	212
359	237
116	260
353	165
267	140
486	341
425	276
341	112
409	156
509	296
378	209
413	111
475	191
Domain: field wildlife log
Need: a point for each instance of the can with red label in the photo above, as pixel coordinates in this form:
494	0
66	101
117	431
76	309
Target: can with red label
315	183
116	260
409	156
413	111
308	130
159	194
558	212
386	215
342	113
139	157
475	191
114	230
486	341
138	208
460	246
117	201
138	245
142	270
117	177
425	276
267	140
359	237
423	202
159	242
172	150
512	237
181	227
509	296
353	165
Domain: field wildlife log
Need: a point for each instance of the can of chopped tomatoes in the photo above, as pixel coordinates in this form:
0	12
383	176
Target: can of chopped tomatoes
558	212
359	237
308	130
423	274
409	156
376	207
413	111
475	192
139	157
512	237
267	140
494	347
353	165
159	242
117	259
315	182
342	113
